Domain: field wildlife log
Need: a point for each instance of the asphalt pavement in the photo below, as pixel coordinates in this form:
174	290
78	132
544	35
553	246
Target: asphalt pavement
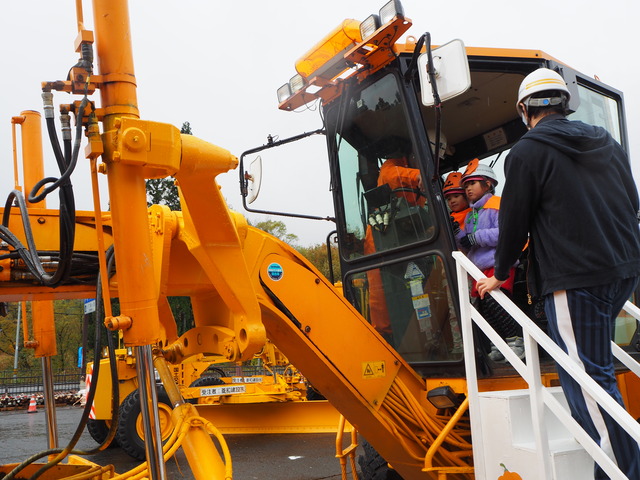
254	457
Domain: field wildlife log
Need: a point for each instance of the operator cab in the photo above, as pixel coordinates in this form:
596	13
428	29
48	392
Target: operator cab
413	241
393	225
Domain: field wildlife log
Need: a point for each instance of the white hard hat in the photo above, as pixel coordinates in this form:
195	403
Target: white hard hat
541	80
478	171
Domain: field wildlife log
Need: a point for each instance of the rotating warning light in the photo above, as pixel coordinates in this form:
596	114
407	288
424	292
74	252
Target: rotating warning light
326	58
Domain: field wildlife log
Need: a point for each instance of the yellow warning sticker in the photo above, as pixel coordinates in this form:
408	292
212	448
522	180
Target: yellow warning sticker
373	370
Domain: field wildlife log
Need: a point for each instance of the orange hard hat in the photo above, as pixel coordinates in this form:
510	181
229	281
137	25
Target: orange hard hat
453	184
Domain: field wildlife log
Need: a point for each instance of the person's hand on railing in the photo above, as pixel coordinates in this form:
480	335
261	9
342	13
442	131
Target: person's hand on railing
486	285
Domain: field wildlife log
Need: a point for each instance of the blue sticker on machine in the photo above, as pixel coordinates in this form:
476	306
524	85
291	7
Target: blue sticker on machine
275	272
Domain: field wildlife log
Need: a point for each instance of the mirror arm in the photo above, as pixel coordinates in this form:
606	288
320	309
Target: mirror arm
437	104
414	59
270	144
426	38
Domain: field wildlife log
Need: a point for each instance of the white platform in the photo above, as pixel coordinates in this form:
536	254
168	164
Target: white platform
507	437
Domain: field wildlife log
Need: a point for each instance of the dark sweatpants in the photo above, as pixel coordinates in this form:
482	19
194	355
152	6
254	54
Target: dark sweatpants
582	322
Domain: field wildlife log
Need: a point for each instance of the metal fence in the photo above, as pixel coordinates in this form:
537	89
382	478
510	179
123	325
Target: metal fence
31	382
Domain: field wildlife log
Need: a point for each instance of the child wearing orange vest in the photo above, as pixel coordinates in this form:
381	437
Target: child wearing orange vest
478	238
456	199
459	206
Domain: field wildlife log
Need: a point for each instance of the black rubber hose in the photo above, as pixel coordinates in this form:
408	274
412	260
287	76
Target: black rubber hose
63	452
66	172
115	401
67	201
55	143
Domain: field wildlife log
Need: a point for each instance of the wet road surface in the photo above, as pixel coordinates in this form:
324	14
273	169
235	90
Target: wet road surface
255	457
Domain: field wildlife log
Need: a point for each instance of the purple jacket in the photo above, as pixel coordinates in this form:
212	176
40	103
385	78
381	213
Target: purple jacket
483	223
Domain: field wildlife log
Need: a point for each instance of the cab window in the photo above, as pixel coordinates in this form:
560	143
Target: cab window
598	109
380	180
409	303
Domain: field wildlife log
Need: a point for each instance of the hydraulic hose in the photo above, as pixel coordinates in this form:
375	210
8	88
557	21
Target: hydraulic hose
67	207
69	449
115	393
66	170
47	98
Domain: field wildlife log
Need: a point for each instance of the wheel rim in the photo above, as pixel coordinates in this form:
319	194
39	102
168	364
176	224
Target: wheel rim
166	426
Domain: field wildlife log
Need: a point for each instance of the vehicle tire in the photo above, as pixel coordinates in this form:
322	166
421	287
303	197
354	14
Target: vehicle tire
373	466
207	382
313	394
213	372
99	429
130	433
204	382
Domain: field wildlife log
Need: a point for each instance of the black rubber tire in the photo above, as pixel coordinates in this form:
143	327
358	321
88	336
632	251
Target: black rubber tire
207	382
213	372
204	382
99	429
313	394
129	434
373	466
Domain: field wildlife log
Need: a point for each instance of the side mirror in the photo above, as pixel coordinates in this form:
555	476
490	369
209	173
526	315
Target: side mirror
451	71
253	179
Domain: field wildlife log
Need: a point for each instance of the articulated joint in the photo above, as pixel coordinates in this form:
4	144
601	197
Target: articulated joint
173	353
121	322
232	351
153	146
200	157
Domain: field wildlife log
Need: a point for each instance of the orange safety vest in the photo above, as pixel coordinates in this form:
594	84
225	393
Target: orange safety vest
460	216
397	174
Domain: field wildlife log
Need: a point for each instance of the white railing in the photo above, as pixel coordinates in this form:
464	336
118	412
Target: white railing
530	372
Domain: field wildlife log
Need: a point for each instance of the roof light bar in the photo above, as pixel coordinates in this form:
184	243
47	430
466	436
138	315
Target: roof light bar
296	83
284	92
353	48
369	25
326	58
391	10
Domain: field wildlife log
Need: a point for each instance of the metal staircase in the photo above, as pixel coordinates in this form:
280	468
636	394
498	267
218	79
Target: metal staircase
531	431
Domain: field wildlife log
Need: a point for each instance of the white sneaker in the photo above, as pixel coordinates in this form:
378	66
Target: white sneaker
517	345
495	354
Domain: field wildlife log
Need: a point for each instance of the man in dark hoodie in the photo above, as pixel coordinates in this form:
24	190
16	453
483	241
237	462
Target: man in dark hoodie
570	191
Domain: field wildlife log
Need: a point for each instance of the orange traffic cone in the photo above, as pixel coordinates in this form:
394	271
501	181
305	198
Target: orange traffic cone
32	406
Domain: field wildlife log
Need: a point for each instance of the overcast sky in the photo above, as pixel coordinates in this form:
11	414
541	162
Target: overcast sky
218	65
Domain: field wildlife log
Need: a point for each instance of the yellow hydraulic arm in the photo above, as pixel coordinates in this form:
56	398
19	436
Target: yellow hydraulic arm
345	358
244	284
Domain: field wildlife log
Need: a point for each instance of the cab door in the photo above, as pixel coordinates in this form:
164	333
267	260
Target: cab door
395	253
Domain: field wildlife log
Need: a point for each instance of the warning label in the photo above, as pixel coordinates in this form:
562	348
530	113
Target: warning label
225	390
373	369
